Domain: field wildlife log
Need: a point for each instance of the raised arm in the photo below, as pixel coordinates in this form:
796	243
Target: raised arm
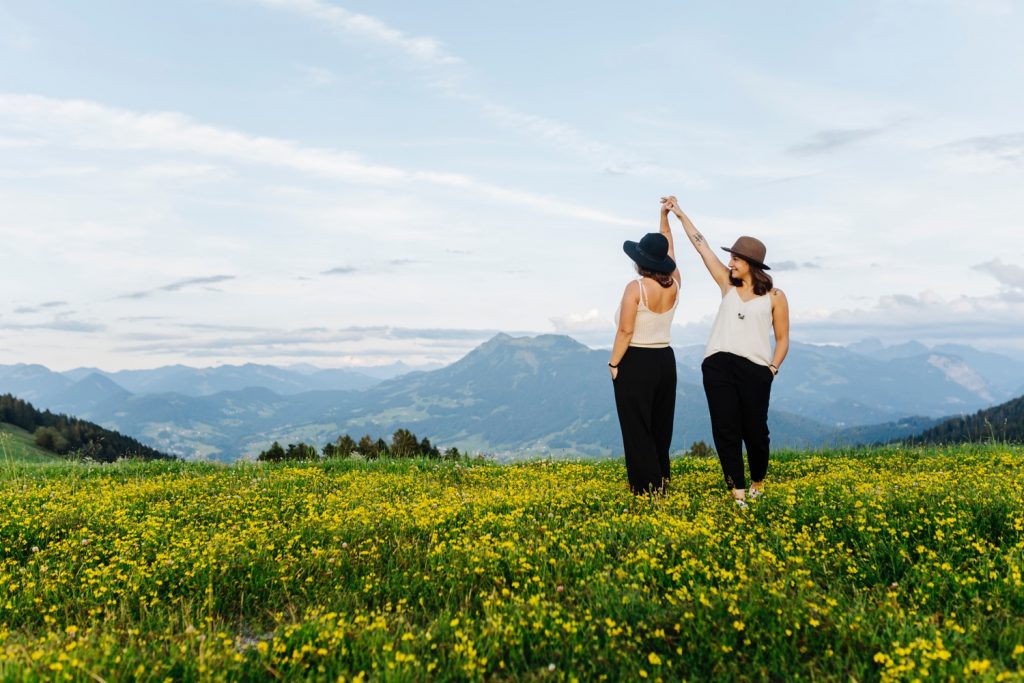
666	230
718	270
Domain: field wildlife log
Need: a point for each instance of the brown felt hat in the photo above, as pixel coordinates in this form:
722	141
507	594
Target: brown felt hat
750	249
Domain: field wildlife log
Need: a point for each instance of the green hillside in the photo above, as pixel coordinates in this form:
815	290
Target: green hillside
1004	422
890	564
63	434
17	445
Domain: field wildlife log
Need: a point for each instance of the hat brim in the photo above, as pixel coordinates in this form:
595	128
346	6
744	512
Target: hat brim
751	261
667	265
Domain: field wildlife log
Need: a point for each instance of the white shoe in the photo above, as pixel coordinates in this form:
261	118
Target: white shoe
754	493
741	504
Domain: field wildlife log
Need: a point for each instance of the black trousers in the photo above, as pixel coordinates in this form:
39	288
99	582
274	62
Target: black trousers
645	398
738	391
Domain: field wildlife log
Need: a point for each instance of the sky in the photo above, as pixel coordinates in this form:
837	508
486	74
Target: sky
352	183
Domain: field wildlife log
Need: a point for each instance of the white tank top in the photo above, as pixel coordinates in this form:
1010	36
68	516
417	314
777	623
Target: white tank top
743	328
651	330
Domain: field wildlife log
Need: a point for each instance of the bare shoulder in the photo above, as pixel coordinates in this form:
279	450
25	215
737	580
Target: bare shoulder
632	289
778	297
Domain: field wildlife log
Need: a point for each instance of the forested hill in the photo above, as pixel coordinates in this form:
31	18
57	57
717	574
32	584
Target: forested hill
1004	422
65	435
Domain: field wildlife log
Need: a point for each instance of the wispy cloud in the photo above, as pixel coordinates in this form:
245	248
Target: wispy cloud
447	78
1006	273
421	48
60	323
340	270
782	266
1007	148
177	286
826	141
39	307
312	342
90	125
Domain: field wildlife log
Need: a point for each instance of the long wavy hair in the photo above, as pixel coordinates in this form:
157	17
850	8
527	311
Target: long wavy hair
761	280
663	279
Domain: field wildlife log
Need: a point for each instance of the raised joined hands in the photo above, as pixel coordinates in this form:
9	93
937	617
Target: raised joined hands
671	204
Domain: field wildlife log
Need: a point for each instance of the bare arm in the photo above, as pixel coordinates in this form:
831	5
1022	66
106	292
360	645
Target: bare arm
627	321
780	323
666	230
718	270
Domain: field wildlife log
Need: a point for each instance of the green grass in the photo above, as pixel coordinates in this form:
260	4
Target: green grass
17	445
886	564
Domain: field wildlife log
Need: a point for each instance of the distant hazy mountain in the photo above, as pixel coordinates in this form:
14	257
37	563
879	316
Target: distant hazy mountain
868	384
44	386
546	394
540	395
33	383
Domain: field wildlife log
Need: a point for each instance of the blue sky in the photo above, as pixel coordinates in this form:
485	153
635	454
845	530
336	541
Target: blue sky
286	181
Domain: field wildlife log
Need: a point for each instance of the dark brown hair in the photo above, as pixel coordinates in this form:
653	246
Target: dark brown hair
663	279
761	280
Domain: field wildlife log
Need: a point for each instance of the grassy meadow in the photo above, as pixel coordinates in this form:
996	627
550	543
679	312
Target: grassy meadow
888	564
18	446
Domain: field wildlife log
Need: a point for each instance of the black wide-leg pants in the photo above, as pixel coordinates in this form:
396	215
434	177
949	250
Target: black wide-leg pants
645	398
738	391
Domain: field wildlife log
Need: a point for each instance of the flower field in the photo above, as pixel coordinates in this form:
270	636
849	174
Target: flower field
887	564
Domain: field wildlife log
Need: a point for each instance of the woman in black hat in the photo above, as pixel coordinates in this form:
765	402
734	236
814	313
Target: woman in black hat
642	364
739	363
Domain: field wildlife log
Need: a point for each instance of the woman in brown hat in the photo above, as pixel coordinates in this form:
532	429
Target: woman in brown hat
642	363
739	363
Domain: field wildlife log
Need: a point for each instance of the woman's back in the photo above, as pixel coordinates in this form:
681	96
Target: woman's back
657	307
657	299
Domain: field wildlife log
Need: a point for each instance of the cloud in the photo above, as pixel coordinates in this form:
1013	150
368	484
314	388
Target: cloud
927	317
825	141
90	125
1006	273
588	321
38	307
311	342
60	323
340	270
1007	148
782	266
430	53
422	49
177	286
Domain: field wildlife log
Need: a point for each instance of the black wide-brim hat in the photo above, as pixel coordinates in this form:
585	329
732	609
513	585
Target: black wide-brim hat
750	249
651	252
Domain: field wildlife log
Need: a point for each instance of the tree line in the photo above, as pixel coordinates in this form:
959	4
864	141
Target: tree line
71	436
1004	422
404	444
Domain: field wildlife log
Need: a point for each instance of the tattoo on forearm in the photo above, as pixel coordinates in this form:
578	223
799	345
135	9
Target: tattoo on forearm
697	238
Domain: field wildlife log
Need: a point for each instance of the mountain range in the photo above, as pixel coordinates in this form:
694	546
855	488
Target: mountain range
539	395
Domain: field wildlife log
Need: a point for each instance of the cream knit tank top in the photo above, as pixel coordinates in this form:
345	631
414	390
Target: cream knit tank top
742	328
651	330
